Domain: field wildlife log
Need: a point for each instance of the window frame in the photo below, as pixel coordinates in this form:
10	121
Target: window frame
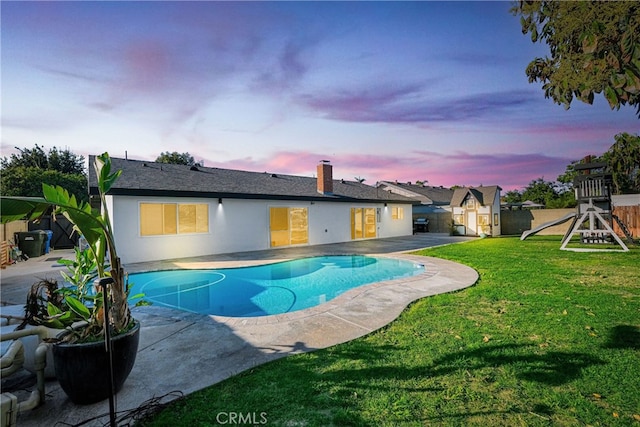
397	213
171	223
293	217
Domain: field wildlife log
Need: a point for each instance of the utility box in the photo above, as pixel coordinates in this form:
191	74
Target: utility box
32	243
9	411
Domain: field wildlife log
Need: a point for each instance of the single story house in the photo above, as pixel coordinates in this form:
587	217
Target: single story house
163	211
433	213
476	210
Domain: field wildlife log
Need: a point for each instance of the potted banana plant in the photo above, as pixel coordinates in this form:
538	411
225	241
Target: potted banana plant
94	358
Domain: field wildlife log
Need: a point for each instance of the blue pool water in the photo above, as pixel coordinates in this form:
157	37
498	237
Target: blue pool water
267	289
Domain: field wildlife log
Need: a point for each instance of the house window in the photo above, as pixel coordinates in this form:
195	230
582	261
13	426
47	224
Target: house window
496	221
470	203
363	223
173	218
458	219
288	226
483	223
397	212
193	218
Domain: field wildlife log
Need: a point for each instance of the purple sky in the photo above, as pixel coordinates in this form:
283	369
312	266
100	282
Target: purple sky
401	91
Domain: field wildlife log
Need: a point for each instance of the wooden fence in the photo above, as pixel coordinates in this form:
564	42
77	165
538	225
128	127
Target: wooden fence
439	222
9	229
630	217
515	222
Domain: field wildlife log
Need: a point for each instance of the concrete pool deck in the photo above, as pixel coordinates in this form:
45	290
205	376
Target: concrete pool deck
184	352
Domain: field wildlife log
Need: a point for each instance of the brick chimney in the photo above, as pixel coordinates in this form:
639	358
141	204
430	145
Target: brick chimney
325	177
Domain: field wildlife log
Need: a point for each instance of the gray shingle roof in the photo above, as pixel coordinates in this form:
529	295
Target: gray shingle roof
484	194
426	194
143	178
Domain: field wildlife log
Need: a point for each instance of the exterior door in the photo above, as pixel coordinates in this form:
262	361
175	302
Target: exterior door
363	223
472	223
288	226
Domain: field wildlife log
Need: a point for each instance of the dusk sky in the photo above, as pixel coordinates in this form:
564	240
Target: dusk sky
405	91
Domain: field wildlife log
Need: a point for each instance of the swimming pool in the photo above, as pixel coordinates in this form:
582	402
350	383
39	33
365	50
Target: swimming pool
268	289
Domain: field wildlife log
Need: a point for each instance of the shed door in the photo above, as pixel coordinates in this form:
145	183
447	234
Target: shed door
472	223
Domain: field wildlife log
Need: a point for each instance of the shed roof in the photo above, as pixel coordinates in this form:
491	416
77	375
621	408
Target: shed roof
144	178
485	195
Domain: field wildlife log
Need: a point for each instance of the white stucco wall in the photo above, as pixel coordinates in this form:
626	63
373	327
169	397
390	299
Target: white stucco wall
237	225
388	227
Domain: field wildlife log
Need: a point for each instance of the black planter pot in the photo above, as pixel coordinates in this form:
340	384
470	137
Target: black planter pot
83	369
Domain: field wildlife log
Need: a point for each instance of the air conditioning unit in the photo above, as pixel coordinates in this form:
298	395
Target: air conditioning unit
9	410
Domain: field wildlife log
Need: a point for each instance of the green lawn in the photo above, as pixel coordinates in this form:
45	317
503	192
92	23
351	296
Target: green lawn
545	338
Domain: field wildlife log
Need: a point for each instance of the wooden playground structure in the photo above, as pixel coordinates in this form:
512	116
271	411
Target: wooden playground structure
594	219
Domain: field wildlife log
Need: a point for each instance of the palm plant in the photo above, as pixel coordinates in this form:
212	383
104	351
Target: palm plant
96	228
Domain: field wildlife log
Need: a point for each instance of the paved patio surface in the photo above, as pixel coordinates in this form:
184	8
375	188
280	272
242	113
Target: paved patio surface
186	352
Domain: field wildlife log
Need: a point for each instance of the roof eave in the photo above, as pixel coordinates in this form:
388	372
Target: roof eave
246	196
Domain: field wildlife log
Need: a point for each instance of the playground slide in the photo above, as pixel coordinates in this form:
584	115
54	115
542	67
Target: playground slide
565	218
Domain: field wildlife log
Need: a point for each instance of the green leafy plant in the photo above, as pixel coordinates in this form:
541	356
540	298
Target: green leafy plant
95	227
61	307
46	306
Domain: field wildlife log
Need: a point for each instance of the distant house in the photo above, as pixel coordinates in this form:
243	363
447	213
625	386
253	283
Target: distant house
476	210
433	207
164	211
427	195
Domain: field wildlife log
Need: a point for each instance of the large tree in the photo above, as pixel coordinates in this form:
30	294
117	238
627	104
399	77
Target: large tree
539	191
623	162
63	161
23	173
552	195
568	177
623	159
594	47
177	159
512	196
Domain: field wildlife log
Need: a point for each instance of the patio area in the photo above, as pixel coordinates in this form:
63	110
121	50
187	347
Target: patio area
184	352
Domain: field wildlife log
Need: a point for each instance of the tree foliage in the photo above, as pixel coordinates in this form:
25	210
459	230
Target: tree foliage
553	195
63	161
570	172
539	191
176	158
623	162
23	174
594	47
513	196
623	159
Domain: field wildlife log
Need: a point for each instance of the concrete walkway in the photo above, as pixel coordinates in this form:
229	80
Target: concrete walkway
186	352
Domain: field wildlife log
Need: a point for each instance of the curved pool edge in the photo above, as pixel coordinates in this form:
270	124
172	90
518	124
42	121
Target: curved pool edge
409	288
248	291
365	308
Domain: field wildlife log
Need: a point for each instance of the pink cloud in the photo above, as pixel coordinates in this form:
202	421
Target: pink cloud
147	65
